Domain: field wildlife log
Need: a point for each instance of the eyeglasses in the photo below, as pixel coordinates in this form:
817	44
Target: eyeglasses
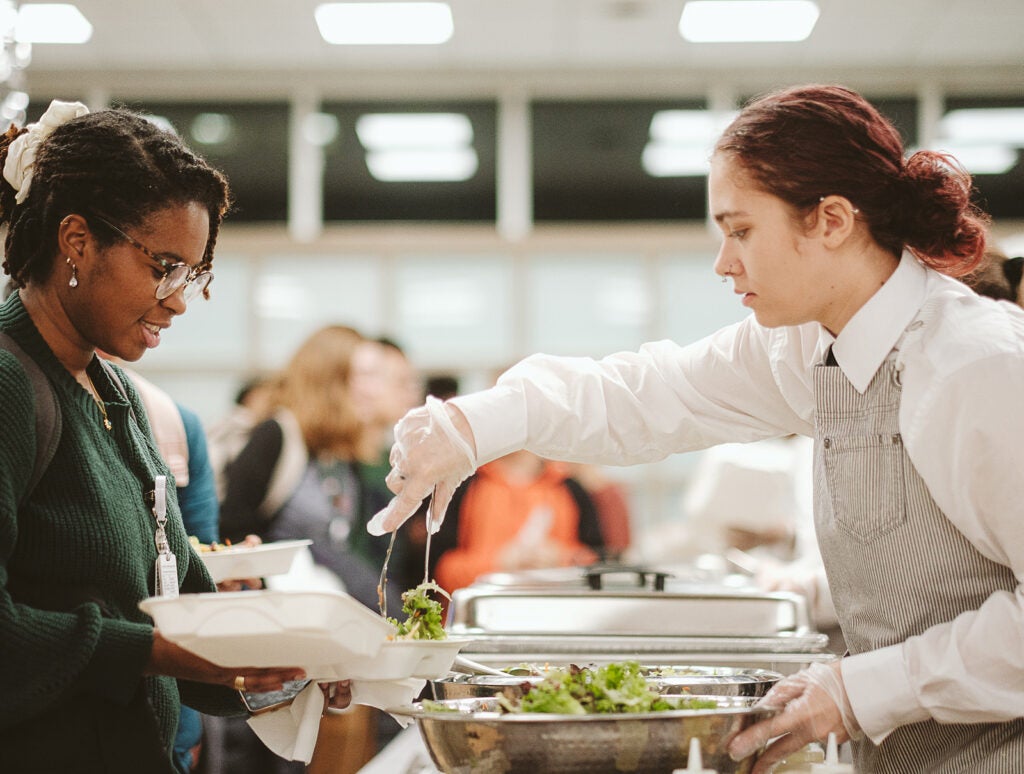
177	274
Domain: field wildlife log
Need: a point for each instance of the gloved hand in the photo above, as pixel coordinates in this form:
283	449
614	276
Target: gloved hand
431	456
812	703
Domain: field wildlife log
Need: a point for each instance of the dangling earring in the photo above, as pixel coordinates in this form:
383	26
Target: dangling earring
73	282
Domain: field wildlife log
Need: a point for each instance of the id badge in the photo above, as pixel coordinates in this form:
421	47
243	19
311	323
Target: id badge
167	576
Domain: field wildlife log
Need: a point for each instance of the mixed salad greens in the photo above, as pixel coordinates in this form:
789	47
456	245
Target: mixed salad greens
613	688
425	616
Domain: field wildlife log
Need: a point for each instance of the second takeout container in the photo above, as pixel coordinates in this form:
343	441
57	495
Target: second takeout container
317	630
260	561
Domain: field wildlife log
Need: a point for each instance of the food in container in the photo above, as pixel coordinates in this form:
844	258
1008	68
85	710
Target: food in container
606	718
716	680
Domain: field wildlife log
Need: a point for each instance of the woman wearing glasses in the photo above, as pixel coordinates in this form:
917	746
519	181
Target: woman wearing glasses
111	225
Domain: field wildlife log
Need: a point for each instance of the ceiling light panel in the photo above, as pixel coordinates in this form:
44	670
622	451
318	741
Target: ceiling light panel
984	125
52	23
404	165
981	159
681	142
414	130
747	21
375	24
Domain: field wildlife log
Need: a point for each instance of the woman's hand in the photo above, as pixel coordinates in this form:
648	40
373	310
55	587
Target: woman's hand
337	696
240	584
171	660
812	704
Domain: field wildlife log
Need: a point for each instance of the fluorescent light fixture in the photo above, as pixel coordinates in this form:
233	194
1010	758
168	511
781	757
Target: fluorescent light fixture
747	21
414	130
981	159
422	165
670	160
368	24
212	128
984	125
682	141
52	23
689	126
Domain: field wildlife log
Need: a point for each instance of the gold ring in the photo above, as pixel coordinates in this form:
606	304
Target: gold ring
240	683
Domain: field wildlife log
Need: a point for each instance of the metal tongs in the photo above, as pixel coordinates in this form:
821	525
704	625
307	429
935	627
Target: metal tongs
382	584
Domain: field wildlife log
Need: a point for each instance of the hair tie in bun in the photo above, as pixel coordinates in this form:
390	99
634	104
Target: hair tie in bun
21	154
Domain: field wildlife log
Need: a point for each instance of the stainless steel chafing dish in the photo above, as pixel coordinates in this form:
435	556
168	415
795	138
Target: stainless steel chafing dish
612	613
682	618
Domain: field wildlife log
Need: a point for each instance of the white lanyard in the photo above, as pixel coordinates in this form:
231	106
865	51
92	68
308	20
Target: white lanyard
166	563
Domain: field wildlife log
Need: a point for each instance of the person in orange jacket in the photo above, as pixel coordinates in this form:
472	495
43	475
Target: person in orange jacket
518	512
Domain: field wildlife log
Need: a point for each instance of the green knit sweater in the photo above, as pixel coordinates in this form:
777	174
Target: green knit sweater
76	558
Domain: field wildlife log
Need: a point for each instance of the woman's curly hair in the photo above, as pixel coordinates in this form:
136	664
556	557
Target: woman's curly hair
114	162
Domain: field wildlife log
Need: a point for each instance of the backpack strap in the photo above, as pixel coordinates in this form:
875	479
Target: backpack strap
164	420
48	420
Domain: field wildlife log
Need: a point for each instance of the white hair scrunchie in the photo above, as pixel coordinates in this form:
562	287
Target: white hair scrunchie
21	155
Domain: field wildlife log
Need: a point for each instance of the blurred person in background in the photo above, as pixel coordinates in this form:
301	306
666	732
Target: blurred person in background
441	386
611	503
254	402
111	227
298	476
385	375
998	277
519	512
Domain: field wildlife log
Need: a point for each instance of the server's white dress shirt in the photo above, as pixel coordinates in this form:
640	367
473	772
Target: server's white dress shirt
961	418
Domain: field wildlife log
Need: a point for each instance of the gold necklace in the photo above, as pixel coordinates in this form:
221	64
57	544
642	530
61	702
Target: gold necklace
99	402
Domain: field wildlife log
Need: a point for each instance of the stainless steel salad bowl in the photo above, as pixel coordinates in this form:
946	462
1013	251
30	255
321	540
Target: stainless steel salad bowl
471	736
705	680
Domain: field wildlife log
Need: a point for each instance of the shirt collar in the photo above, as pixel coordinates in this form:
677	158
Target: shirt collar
870	335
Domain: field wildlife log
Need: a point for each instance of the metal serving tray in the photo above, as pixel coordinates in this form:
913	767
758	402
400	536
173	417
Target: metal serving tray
527	612
624	612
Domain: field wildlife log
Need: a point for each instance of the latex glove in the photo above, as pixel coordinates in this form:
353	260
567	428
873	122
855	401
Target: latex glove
431	456
812	703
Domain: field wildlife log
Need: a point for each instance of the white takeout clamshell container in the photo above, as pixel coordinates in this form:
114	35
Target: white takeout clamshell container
259	561
319	631
328	633
401	659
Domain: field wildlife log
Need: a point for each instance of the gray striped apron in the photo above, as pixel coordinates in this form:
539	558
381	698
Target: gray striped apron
897	566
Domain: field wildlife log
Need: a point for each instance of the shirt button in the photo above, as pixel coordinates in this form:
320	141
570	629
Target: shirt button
915	325
827	443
